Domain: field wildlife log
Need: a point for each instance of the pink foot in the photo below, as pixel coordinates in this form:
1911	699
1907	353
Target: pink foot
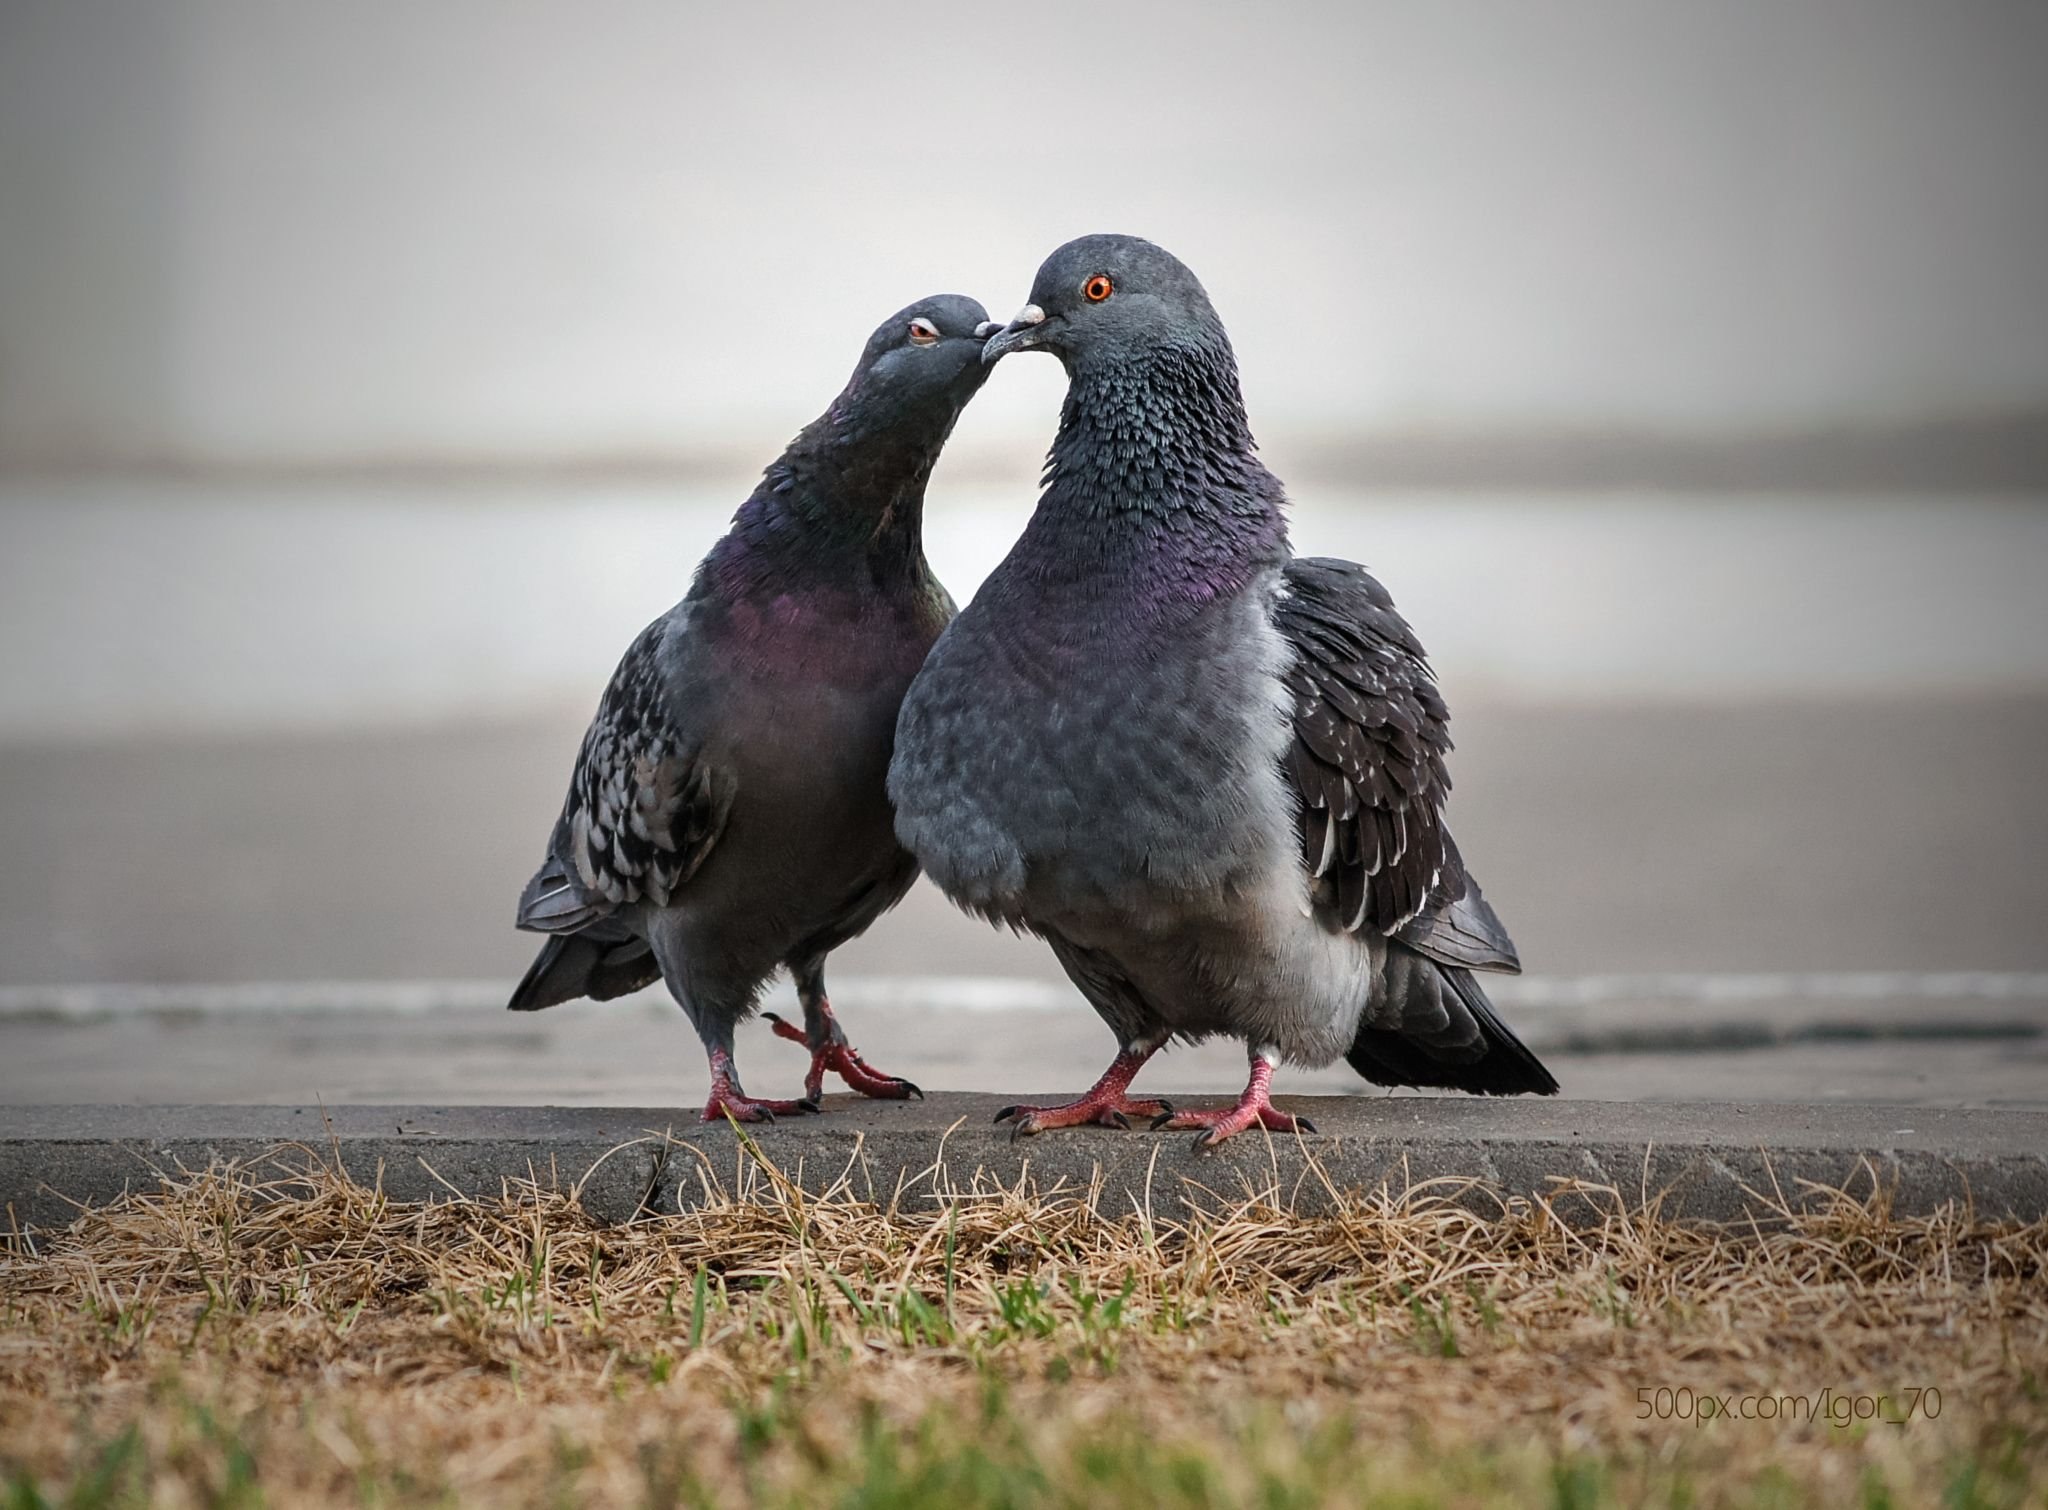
843	1059
1254	1109
1104	1111
747	1109
728	1100
1104	1105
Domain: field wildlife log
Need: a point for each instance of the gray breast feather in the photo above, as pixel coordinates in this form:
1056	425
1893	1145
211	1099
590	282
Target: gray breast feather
948	751
1095	774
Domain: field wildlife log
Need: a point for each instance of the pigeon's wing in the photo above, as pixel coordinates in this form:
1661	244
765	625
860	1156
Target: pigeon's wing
1458	926
645	807
1367	762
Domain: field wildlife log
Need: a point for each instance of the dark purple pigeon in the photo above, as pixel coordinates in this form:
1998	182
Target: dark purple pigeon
1208	772
728	815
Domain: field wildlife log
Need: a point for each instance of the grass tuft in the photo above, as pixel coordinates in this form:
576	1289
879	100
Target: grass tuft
280	1333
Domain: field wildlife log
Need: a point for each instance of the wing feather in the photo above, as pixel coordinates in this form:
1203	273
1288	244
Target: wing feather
644	807
1371	734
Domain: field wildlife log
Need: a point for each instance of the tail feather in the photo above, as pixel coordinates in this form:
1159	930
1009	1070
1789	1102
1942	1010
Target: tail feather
1467	932
553	902
1433	1026
572	965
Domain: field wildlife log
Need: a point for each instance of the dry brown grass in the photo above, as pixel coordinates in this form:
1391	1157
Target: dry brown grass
285	1334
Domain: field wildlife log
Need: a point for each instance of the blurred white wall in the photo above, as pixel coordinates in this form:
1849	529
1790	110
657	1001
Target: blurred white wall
135	609
244	232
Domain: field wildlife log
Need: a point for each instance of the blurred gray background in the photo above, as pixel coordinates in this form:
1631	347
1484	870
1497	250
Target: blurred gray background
370	373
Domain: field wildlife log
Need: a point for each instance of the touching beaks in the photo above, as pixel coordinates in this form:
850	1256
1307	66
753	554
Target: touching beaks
986	329
1019	335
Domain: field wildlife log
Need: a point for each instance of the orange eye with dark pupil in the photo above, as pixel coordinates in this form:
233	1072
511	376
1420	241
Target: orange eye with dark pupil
1097	288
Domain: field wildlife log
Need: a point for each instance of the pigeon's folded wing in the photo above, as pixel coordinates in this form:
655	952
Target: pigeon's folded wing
644	807
1367	762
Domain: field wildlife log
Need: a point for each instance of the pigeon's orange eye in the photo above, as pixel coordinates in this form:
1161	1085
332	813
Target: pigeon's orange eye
1097	288
923	332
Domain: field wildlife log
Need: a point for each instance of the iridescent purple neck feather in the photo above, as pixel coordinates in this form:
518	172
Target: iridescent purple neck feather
1154	494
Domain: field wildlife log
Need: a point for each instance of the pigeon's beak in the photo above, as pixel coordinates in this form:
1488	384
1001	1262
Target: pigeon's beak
1025	331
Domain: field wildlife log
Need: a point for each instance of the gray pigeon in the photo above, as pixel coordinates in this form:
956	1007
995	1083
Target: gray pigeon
1208	773
728	816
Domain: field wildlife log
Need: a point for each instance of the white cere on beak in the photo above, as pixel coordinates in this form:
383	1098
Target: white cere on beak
923	332
1030	314
986	329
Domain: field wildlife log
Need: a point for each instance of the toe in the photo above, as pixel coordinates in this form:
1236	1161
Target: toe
868	1081
784	1028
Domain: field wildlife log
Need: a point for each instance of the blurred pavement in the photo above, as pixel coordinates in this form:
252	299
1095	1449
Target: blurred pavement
1811	835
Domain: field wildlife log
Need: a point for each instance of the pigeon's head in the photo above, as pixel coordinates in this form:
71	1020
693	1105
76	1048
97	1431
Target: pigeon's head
1109	296
923	359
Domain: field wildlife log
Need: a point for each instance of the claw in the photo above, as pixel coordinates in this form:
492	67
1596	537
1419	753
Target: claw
1007	1113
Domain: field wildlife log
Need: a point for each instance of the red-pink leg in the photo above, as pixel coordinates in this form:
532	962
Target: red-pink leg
1254	1109
1105	1102
728	1100
830	1051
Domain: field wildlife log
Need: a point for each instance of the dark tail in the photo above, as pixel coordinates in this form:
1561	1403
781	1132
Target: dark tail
1432	1025
570	965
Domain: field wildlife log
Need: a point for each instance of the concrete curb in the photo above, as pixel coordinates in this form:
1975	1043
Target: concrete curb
1711	1161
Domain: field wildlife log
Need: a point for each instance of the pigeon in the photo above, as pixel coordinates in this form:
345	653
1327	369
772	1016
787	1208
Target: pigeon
728	814
1210	774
